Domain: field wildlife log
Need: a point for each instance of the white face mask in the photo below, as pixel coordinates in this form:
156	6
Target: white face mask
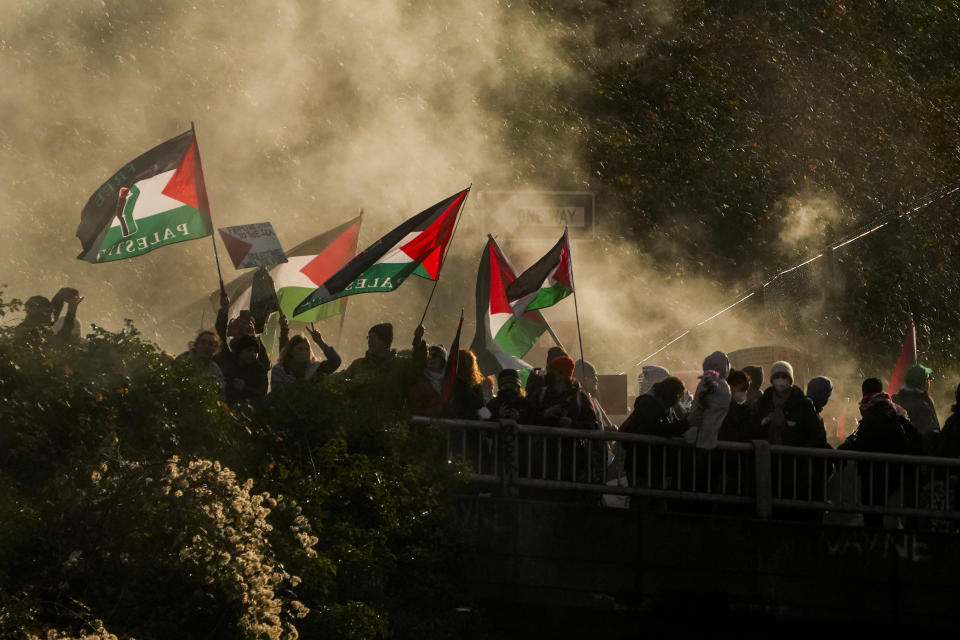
740	397
781	384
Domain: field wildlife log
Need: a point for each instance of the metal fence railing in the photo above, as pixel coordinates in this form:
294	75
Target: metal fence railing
532	460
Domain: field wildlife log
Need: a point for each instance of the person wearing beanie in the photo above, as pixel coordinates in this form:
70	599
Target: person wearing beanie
538	376
650	375
711	401
951	430
561	402
755	373
819	390
785	415
915	398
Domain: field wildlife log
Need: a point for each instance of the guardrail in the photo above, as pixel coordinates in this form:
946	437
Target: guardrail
766	479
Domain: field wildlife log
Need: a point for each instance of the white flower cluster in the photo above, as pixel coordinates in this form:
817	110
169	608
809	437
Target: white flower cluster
228	543
98	633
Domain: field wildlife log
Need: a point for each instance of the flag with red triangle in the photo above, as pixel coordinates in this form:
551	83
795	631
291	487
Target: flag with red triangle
159	198
908	358
546	283
308	265
417	247
502	338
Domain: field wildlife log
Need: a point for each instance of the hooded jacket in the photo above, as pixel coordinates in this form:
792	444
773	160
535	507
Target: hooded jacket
710	402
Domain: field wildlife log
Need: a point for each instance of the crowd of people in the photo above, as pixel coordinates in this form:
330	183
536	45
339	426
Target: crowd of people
726	404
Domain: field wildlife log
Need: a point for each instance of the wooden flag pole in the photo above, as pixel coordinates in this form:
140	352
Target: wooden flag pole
216	256
444	259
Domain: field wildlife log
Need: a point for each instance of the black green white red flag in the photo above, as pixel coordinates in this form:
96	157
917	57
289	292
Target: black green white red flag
417	247
546	283
502	337
159	198
308	265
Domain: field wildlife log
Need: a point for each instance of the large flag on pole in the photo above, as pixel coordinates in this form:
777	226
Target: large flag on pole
545	283
908	358
157	199
308	265
416	247
502	338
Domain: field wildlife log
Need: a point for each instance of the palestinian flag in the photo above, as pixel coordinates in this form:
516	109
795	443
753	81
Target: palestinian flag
308	265
502	337
417	247
907	358
155	200
546	283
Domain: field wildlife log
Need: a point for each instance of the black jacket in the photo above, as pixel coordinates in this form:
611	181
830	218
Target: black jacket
803	426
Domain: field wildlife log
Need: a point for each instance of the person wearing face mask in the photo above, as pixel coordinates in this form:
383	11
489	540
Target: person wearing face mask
738	425
785	415
710	402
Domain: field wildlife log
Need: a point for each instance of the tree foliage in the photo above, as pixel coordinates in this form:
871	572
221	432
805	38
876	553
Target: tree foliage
135	504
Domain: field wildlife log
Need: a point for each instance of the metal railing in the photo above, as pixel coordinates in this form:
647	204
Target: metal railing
765	479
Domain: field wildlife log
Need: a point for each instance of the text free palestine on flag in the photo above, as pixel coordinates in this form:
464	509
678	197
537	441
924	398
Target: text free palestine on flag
159	198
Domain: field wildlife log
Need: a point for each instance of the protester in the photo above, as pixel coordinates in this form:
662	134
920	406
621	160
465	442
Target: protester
380	377
296	361
537	377
467	393
586	374
755	373
951	430
561	402
242	325
511	401
819	390
739	423
710	402
650	375
884	428
68	322
785	415
425	393
650	416
915	398
200	355
245	374
42	318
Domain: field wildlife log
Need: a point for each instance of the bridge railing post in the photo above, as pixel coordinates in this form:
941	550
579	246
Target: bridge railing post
509	458
763	479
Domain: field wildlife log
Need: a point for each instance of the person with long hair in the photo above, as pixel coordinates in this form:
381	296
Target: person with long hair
297	362
467	397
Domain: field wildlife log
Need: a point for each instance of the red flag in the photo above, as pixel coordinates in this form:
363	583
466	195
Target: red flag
908	358
450	375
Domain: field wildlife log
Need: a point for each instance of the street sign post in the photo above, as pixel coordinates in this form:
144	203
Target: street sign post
538	215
